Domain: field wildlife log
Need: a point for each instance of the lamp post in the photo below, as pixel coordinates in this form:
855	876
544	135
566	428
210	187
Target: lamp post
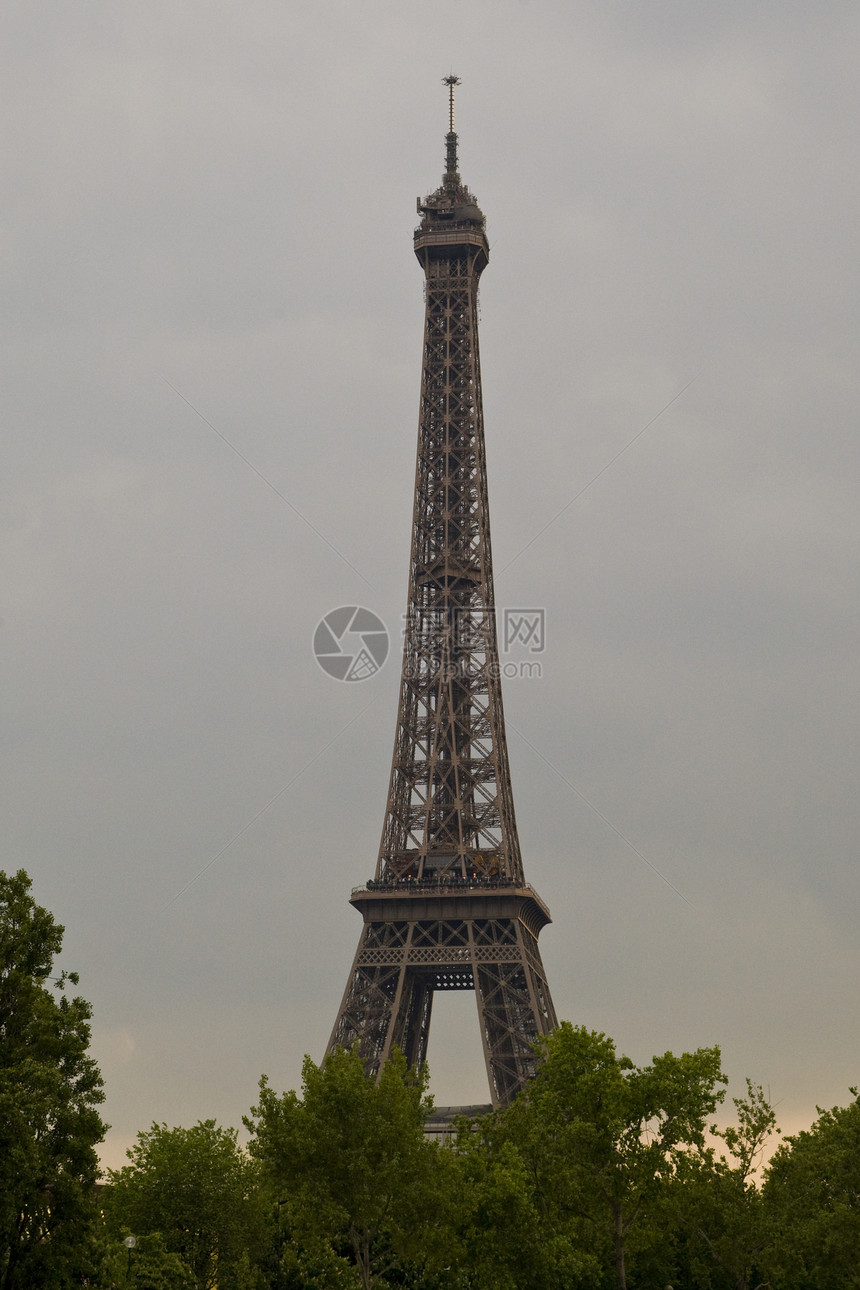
130	1242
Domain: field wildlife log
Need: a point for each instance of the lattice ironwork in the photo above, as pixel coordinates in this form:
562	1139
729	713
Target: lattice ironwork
448	907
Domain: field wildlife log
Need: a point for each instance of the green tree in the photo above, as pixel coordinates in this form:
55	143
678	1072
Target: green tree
200	1193
505	1239
717	1204
812	1205
50	1091
602	1139
148	1265
362	1193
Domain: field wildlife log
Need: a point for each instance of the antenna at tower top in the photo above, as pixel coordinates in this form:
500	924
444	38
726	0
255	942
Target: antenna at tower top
451	81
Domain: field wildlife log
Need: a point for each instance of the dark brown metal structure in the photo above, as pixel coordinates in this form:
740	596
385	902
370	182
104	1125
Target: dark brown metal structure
448	908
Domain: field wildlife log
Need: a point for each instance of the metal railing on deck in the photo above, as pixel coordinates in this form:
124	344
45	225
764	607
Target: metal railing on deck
452	883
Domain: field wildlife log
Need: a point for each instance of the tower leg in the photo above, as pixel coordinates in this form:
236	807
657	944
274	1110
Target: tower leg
398	966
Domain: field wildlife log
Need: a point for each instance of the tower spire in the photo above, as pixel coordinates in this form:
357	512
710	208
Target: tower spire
451	138
451	81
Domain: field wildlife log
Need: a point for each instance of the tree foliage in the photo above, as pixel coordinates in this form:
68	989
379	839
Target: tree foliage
717	1204
812	1203
603	1138
198	1192
148	1265
503	1238
50	1092
362	1193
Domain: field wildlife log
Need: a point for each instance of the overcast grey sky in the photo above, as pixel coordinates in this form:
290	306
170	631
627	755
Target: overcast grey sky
207	221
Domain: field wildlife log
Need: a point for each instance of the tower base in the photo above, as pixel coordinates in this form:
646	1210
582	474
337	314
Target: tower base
461	934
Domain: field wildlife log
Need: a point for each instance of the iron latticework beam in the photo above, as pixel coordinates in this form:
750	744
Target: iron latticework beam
448	907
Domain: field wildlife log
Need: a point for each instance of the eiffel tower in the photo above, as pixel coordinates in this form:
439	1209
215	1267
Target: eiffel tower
448	907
